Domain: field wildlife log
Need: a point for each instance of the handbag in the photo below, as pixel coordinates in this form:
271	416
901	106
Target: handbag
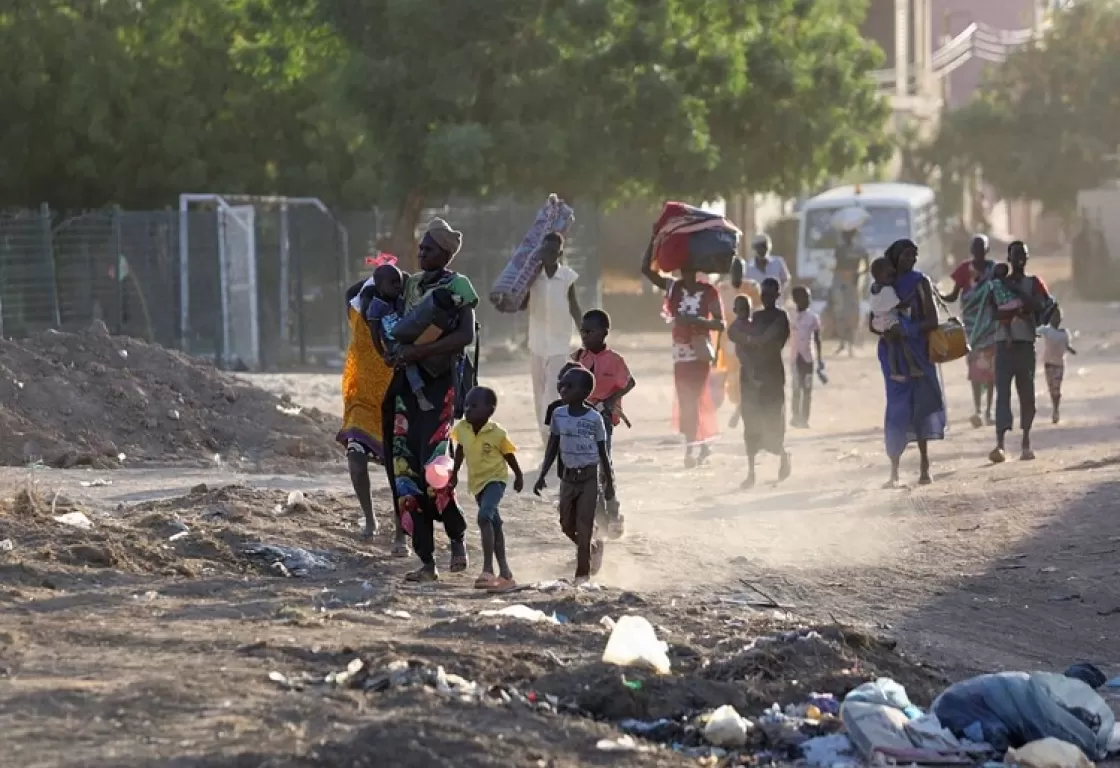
949	340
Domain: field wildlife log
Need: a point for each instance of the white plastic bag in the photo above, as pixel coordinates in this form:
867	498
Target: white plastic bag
633	643
727	728
523	612
1048	753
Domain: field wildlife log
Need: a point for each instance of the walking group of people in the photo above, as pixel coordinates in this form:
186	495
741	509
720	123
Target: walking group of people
412	403
748	350
1004	309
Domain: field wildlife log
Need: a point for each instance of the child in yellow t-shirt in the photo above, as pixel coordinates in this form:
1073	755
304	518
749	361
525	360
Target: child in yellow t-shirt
489	455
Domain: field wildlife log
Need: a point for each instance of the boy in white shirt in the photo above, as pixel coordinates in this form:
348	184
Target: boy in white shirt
1055	344
805	349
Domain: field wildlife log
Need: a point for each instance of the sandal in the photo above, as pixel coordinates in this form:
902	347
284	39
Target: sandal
486	581
502	584
425	574
459	560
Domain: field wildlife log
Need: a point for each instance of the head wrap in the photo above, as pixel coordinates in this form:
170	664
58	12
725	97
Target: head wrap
443	236
897	248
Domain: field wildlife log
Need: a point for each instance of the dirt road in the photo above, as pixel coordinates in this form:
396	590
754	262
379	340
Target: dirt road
121	646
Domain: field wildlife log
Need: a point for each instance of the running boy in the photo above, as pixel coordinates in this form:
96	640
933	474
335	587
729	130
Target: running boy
384	312
805	325
613	381
489	454
885	312
1055	344
580	439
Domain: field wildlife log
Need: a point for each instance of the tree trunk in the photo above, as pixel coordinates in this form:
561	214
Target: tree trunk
402	238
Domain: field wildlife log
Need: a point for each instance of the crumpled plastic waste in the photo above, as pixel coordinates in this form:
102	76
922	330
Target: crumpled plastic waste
727	728
1048	753
75	520
832	751
886	692
1012	709
525	613
633	643
625	743
296	561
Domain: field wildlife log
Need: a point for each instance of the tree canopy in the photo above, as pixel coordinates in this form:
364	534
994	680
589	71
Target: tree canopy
1046	121
403	103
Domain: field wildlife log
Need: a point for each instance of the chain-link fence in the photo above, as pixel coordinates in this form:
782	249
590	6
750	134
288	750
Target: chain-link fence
179	278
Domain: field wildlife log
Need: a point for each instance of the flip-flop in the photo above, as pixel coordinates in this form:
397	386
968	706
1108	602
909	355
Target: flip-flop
501	586
486	581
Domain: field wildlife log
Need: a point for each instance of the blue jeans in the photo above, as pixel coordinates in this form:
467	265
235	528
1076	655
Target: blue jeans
489	499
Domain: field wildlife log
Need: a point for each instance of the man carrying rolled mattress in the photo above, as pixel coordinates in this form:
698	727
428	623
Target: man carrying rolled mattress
553	310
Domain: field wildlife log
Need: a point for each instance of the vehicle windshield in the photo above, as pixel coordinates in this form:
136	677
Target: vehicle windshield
885	225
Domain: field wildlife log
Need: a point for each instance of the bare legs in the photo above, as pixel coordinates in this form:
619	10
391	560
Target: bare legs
981	392
924	477
358	464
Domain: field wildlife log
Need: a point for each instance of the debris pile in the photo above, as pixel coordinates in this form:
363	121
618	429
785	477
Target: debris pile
92	399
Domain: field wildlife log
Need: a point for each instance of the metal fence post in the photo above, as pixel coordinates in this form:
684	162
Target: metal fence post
118	257
48	251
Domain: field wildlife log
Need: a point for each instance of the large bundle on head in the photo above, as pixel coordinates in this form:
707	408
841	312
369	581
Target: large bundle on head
512	286
688	237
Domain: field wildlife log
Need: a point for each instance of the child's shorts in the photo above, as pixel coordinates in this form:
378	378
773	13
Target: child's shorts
489	502
1054	376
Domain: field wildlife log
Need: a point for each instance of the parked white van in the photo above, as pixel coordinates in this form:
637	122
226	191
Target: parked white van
894	211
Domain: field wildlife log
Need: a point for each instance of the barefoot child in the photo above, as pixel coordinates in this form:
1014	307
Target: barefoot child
885	309
384	313
489	456
612	382
580	439
1055	344
805	347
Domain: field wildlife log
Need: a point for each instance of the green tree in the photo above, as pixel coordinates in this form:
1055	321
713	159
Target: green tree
1047	118
134	103
604	99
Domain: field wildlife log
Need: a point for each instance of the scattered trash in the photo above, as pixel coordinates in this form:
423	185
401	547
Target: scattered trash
292	560
344	677
179	535
121	457
633	643
1018	708
296	502
293	410
886	692
75	520
173	415
634	685
98	483
607	622
123	353
283	681
398	614
625	743
7	545
525	613
831	751
1048	753
727	728
1088	674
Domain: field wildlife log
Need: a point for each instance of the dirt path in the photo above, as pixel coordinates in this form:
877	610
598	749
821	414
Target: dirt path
138	650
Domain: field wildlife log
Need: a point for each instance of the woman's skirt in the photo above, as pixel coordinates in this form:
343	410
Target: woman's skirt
419	438
694	411
365	380
763	409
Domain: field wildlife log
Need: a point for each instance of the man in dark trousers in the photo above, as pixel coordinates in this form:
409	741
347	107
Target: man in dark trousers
1015	353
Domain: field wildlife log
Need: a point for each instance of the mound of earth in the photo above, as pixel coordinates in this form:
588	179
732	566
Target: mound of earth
85	399
208	532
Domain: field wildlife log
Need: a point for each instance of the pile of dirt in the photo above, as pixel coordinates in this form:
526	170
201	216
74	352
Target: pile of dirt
205	533
85	399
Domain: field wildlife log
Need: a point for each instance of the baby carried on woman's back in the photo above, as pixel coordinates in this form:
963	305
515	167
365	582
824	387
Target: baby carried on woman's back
392	327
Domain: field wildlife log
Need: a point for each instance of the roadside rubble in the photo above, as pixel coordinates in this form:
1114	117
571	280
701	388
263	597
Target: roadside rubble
706	712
